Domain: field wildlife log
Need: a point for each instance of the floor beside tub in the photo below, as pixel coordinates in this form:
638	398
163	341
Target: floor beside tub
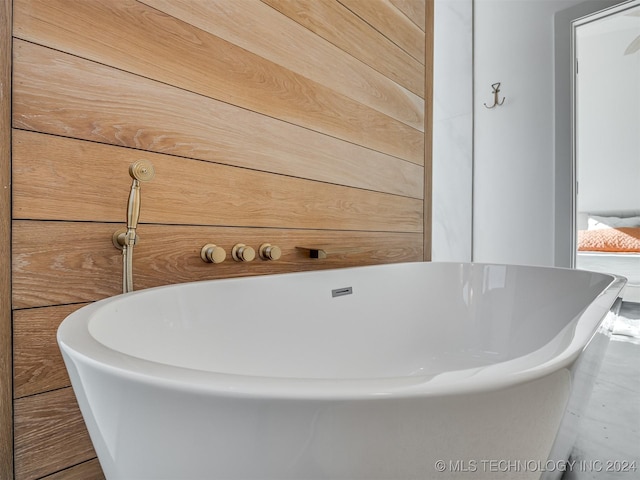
608	444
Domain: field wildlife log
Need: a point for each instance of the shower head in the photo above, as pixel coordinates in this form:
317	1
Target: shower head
142	171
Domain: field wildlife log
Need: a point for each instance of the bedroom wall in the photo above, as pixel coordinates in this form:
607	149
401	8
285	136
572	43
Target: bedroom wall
296	123
564	177
608	116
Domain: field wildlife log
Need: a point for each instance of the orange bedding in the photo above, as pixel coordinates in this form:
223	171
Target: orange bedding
623	239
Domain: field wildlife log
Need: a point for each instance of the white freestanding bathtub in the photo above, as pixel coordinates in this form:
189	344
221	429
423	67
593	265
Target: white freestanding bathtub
405	371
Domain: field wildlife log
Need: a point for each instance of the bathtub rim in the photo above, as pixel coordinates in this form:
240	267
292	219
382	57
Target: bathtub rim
472	380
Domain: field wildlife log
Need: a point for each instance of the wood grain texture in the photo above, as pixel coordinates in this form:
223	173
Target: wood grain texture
6	405
428	136
65	95
82	265
294	123
341	27
50	434
259	29
414	10
63	179
139	39
89	470
38	365
391	23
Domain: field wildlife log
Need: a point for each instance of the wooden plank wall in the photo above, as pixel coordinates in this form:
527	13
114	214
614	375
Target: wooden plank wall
291	122
6	397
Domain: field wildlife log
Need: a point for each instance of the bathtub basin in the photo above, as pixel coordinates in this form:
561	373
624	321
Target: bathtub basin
404	371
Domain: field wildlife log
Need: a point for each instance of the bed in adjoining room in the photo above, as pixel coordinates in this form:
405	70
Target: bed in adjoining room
609	242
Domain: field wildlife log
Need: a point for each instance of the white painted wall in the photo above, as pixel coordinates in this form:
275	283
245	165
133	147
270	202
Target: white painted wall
514	143
515	166
452	131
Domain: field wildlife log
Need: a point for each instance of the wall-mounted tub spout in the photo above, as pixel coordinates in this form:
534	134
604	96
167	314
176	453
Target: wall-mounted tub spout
314	252
140	171
326	250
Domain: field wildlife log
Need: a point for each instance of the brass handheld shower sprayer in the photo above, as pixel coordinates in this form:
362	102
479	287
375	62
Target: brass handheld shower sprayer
125	239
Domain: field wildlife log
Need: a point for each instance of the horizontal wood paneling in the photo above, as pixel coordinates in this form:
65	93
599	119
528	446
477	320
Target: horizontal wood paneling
38	366
272	35
85	471
179	54
65	95
63	179
414	10
338	25
392	23
80	264
275	37
49	434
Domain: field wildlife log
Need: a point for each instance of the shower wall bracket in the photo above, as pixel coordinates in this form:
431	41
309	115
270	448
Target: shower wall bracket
119	238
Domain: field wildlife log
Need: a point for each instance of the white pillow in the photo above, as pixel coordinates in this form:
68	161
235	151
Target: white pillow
596	223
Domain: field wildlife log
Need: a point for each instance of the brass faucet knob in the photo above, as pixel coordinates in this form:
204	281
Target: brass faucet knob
211	253
269	252
243	253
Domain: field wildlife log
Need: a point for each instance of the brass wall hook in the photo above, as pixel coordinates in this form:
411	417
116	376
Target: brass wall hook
496	91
